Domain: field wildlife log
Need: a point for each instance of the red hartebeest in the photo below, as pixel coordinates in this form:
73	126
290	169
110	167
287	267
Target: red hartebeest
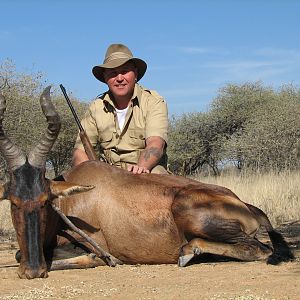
146	218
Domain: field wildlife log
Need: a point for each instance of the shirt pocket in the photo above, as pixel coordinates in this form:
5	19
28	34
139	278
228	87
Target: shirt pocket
137	138
105	139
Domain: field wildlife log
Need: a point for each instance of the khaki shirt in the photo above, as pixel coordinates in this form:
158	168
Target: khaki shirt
147	116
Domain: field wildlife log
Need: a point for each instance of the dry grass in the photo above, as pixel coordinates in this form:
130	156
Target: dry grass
278	195
5	218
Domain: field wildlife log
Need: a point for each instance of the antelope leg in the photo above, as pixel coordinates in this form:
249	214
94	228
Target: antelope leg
107	257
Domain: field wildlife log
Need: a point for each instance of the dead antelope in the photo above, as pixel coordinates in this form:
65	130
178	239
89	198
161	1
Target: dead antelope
146	219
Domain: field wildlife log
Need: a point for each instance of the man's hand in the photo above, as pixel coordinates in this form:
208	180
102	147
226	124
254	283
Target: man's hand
135	169
150	157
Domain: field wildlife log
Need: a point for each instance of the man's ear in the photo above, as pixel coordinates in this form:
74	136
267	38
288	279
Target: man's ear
61	189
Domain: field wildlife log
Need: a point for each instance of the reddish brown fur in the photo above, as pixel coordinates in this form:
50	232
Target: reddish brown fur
147	218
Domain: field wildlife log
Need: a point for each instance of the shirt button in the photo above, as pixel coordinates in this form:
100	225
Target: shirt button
141	136
117	136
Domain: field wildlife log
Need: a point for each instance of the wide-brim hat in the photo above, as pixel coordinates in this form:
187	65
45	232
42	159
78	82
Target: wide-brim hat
116	56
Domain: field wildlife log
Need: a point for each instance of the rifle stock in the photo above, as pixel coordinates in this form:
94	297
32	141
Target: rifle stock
89	150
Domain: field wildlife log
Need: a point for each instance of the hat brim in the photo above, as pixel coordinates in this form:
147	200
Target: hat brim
139	63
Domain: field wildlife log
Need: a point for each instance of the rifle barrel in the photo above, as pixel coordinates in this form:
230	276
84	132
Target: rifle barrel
71	107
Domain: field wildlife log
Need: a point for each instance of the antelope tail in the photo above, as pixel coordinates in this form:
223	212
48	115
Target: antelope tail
281	250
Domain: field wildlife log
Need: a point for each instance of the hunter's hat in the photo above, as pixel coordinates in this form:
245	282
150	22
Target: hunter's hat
117	55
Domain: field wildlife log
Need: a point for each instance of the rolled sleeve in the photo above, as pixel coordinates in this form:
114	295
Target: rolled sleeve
157	118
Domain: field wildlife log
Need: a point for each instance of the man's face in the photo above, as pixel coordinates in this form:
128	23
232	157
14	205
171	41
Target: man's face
121	80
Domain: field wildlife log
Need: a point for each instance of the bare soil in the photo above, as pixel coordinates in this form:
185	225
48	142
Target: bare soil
207	280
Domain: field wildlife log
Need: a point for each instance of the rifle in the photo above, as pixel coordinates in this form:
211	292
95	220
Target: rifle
89	150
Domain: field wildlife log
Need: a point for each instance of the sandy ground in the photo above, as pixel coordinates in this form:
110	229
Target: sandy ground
208	280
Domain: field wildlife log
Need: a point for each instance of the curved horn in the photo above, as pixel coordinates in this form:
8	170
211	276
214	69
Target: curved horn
13	155
37	156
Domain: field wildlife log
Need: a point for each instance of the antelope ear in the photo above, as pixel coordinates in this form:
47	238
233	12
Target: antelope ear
63	188
2	192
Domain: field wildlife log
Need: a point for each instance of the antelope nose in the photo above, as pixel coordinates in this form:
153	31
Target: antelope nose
31	274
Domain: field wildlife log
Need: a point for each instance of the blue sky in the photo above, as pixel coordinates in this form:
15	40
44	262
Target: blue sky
192	48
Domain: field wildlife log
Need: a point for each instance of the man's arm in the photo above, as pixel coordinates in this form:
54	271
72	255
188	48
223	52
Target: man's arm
150	157
79	156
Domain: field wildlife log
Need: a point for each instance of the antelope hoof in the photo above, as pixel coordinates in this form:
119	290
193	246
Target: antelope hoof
113	261
185	259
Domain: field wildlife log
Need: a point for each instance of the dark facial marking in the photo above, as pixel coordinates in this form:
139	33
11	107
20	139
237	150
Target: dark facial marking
32	231
30	182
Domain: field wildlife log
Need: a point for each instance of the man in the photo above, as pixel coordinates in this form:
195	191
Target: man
129	122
